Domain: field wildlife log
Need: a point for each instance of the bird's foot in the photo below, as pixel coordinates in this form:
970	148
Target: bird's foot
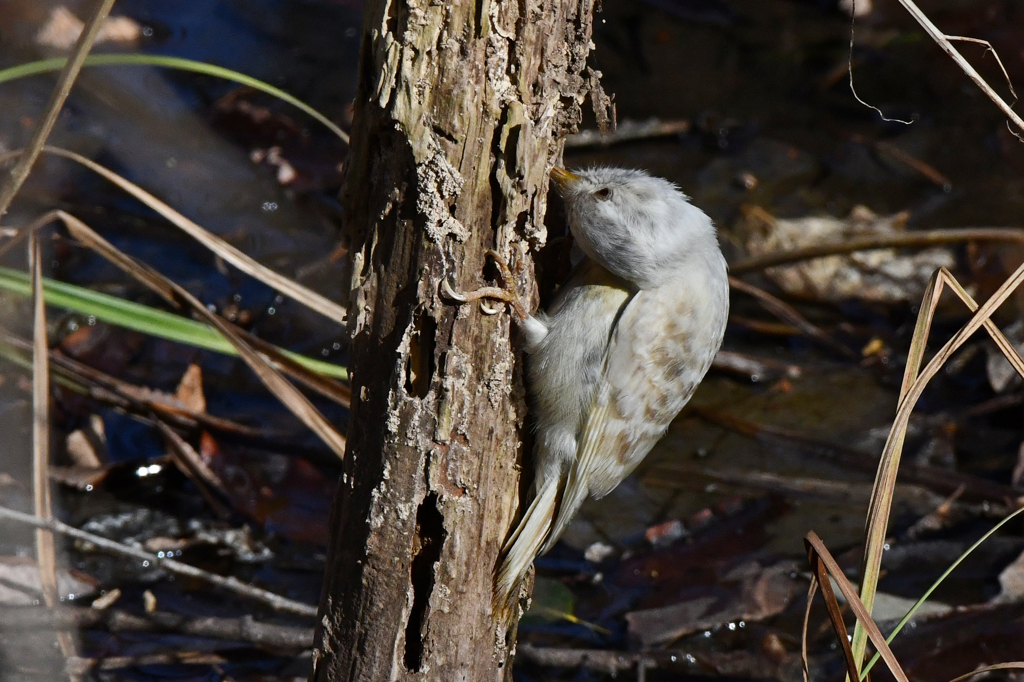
505	293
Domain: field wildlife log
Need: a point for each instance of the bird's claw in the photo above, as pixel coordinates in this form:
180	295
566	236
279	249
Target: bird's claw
504	293
488	310
446	288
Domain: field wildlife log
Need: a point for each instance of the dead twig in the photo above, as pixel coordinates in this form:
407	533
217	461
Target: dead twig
229	583
244	629
79	667
754	368
677	476
917	164
627	131
138	400
907	239
789	314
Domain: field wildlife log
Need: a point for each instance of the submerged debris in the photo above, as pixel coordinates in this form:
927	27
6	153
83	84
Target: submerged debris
879	276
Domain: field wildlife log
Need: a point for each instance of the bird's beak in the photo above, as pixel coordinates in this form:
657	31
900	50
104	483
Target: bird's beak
563	178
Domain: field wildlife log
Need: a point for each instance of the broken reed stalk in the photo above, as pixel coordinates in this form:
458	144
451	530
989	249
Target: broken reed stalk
914	382
229	583
68	74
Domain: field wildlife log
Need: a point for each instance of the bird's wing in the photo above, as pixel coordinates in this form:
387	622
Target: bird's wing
649	374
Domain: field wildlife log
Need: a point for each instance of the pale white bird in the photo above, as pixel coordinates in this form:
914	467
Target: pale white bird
619	352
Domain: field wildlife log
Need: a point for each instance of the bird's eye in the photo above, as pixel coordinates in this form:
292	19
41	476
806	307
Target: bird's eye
603	193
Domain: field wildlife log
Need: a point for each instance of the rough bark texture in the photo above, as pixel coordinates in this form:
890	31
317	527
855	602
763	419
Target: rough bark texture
459	117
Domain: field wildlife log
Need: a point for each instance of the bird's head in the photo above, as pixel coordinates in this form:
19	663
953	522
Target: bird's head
639	227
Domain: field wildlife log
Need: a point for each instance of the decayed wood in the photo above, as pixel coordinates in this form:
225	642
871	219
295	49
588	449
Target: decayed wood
459	116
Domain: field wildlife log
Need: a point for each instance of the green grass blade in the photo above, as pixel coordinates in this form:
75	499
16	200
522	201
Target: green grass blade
141	318
138	59
928	592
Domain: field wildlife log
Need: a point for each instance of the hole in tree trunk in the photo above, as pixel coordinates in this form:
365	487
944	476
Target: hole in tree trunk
430	535
420	367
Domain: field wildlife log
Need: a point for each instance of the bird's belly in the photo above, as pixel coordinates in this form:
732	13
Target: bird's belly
673	340
565	370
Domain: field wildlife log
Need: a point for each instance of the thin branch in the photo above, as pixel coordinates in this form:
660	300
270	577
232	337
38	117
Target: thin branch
79	667
905	239
627	131
229	583
20	172
244	629
936	479
788	313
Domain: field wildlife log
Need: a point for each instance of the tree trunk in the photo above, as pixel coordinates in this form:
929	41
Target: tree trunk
459	116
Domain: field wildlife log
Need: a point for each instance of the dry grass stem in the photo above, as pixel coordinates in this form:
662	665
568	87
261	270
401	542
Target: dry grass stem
825	566
138	400
67	77
46	551
292	398
192	464
229	253
229	583
914	383
21	231
945	42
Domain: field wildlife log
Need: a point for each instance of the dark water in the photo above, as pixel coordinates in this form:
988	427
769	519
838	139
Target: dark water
764	87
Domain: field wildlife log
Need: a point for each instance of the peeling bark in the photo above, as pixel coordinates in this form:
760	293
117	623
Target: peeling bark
459	116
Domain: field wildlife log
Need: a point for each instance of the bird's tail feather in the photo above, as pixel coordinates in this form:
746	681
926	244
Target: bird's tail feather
524	545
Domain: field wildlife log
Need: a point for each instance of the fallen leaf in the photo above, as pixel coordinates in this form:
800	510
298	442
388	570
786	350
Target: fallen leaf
880	275
62	29
764	592
1011	582
190	389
